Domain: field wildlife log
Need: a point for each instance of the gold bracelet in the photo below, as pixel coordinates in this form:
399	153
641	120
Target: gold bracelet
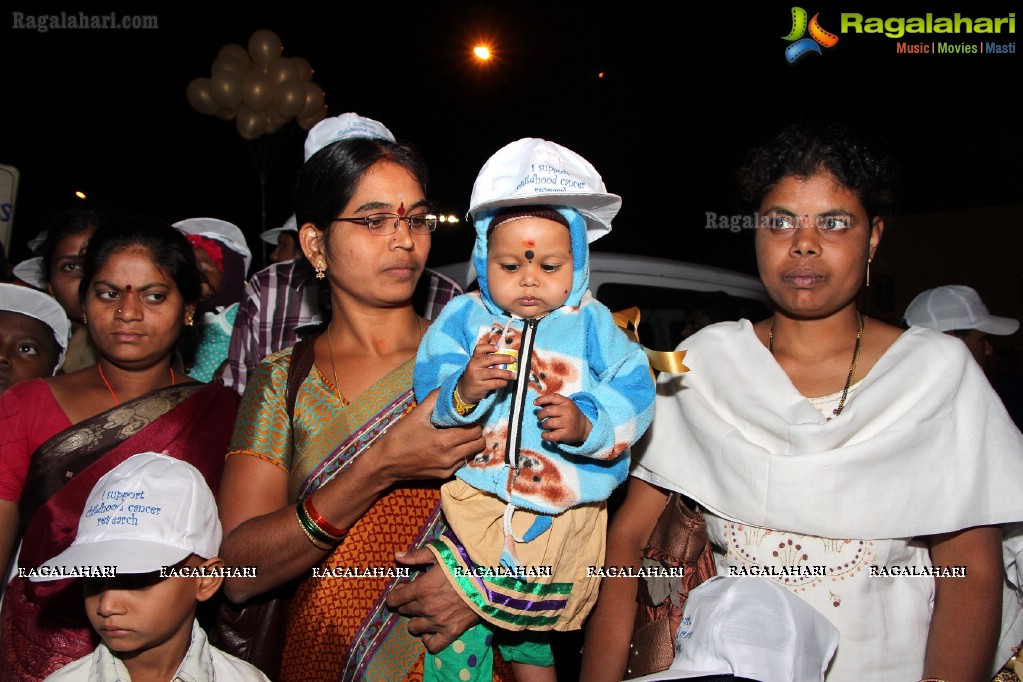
461	407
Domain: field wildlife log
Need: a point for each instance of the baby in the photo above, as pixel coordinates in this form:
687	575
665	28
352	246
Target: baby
561	394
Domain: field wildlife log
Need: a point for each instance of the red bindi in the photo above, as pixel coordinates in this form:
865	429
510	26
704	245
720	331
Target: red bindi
127	288
401	210
529	243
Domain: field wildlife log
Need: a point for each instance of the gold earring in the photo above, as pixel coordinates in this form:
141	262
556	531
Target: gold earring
869	260
85	320
189	320
320	267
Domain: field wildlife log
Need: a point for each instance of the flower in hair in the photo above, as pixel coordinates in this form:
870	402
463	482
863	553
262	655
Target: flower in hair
211	247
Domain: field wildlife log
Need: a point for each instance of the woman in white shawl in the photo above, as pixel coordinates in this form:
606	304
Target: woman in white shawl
834	451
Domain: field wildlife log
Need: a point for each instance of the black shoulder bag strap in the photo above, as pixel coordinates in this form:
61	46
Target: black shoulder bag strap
302	357
255	631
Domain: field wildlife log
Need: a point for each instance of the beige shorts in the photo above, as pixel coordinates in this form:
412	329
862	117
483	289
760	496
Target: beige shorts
555	586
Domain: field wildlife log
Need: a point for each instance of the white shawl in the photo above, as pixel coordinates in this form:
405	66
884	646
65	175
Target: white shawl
923	446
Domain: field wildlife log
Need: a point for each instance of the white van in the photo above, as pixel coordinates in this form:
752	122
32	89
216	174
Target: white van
675	298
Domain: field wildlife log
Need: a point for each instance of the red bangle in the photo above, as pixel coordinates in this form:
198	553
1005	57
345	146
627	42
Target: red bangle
307	504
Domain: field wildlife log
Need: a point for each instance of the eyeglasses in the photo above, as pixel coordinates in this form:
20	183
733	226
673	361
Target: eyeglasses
387	223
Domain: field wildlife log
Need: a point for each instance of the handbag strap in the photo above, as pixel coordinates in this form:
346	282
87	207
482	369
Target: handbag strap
302	357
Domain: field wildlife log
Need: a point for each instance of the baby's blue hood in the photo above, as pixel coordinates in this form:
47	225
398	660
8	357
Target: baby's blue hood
580	254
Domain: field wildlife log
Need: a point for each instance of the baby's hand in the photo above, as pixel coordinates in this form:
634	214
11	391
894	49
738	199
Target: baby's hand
479	377
562	420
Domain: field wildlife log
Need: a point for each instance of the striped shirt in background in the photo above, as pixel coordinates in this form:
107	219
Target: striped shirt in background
281	298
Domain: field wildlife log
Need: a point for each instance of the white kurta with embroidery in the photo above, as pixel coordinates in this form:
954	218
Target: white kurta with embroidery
923	446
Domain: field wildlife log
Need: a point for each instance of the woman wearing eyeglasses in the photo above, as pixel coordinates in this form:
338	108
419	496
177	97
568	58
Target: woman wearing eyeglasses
352	478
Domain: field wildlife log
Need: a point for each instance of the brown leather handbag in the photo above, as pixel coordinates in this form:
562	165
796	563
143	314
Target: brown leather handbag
679	539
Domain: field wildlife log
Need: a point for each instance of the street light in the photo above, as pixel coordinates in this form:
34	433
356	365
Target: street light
482	52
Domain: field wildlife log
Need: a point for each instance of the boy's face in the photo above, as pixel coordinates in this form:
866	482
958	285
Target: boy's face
529	266
28	349
144	615
211	274
286	249
66	272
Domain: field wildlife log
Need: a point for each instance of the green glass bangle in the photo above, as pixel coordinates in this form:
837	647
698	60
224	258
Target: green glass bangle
316	543
312	528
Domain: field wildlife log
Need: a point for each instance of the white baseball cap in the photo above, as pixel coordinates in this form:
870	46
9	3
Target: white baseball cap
149	511
953	307
532	171
30	271
750	627
273	236
43	307
228	234
344	126
36	241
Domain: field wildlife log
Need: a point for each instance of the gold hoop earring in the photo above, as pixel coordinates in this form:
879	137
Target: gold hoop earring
320	267
869	261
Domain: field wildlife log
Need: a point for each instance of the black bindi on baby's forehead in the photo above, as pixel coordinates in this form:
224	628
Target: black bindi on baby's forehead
529	254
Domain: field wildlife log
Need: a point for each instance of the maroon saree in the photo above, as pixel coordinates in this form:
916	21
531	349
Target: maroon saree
43	626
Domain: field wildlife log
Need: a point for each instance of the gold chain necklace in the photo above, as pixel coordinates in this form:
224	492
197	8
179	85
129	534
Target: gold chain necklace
337	389
333	369
852	368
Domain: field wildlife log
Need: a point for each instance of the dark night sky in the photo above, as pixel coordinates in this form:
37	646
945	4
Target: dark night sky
685	93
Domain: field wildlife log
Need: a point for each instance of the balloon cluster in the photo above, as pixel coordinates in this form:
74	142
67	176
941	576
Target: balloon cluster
258	88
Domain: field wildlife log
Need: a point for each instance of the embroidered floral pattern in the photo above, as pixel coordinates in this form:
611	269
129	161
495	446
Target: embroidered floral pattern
819	560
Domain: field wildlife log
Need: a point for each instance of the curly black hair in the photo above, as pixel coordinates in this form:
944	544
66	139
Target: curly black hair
804	149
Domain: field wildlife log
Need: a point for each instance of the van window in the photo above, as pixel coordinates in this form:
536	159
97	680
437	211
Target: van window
667	316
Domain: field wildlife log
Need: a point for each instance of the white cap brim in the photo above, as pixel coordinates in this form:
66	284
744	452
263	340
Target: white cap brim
30	271
999	326
274	236
598	209
126	556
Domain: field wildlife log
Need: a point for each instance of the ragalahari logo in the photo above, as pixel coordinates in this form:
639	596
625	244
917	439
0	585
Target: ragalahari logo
802	46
